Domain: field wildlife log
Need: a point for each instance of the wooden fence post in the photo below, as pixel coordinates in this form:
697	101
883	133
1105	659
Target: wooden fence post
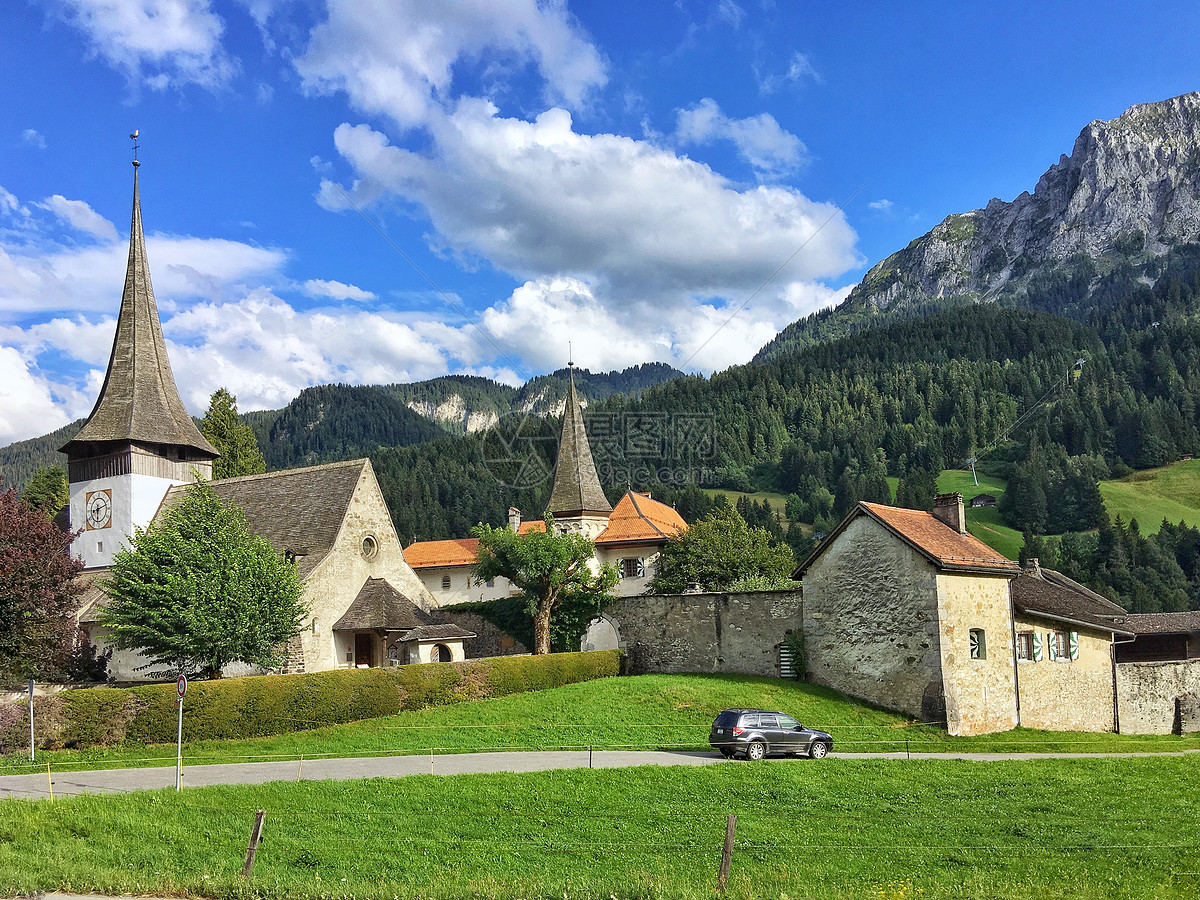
727	852
255	840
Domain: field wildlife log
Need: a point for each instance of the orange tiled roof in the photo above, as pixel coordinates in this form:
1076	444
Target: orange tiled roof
457	552
428	554
937	540
638	517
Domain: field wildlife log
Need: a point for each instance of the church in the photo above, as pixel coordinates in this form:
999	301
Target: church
139	449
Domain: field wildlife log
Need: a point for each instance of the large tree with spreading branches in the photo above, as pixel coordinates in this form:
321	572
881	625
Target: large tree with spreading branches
552	571
198	590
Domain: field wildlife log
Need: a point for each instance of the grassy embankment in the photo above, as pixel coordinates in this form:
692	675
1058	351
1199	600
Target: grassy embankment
836	830
1171	493
644	712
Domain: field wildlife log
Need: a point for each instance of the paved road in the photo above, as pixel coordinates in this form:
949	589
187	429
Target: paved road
101	781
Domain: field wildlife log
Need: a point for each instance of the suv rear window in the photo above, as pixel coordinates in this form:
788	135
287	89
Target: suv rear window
726	720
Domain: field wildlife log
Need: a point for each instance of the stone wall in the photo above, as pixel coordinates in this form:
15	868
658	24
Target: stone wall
981	691
489	640
1149	693
871	622
1067	694
733	633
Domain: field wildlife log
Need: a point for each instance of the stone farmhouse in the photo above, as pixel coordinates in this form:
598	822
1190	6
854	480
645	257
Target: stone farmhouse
138	450
906	609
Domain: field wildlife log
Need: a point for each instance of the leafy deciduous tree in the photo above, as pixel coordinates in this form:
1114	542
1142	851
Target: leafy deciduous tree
232	437
38	592
719	551
552	571
199	591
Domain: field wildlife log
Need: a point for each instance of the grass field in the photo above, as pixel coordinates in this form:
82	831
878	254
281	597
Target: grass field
642	712
778	502
836	830
1172	492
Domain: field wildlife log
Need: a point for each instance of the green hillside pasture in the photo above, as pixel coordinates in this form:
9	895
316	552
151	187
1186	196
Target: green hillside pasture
1151	495
643	712
836	830
778	502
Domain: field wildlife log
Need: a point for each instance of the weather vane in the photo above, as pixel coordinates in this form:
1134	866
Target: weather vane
134	137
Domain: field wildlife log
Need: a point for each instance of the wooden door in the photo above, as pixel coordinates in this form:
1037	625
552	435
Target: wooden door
362	650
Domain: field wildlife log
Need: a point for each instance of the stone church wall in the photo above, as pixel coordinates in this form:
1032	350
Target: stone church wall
717	632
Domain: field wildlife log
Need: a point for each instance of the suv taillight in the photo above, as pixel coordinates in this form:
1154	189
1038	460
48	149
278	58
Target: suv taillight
738	730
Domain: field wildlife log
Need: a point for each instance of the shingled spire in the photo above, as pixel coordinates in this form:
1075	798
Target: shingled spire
139	402
576	491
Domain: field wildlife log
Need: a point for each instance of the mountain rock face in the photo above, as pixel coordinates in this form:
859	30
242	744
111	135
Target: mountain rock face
1130	186
1128	194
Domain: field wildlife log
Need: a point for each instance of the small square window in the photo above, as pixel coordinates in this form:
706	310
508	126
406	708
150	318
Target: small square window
445	582
978	644
491	582
632	568
1025	645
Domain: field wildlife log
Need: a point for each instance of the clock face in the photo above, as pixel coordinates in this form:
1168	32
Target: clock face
99	509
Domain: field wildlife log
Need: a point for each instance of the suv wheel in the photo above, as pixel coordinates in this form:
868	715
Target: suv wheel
818	750
756	750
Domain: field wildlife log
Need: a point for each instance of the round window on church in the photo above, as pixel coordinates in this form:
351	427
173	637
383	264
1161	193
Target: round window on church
370	547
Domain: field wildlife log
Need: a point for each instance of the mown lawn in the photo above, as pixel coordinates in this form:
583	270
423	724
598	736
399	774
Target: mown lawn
643	712
840	829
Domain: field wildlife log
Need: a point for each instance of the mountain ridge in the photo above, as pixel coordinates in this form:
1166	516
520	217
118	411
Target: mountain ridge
1127	195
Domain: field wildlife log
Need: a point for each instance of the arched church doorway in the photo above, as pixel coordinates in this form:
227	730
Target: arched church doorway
602	634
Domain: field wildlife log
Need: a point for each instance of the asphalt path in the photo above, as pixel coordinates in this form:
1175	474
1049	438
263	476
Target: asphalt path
119	781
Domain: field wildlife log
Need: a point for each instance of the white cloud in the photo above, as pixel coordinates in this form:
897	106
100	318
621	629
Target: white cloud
39	280
882	205
335	290
397	59
27	406
799	70
540	200
33	138
159	43
8	202
80	216
759	139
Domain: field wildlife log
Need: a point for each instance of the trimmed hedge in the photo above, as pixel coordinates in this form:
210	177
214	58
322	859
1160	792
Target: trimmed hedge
256	706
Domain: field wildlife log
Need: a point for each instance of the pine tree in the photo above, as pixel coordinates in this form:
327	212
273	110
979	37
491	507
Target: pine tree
232	437
47	490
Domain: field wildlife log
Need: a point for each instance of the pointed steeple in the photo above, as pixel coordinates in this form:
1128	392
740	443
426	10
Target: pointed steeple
138	401
576	490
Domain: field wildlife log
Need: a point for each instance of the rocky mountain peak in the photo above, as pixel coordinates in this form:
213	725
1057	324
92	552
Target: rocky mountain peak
1131	187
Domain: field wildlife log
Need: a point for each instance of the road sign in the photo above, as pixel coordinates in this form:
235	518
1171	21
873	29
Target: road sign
181	686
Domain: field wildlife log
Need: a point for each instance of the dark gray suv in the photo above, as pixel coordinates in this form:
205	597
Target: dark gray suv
759	732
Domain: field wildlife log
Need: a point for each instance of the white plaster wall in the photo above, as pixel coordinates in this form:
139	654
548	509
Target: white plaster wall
631	587
335	582
464	587
135	500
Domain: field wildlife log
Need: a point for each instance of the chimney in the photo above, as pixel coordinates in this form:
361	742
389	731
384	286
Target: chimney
514	518
1033	566
949	509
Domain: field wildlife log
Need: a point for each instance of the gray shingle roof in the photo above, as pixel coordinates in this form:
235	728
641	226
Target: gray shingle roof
439	633
297	510
379	605
1057	597
576	487
1160	623
138	400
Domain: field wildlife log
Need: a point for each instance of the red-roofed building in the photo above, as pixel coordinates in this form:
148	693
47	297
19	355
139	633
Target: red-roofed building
636	530
906	609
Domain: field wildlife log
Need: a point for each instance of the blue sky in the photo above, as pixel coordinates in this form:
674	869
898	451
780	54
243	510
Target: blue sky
366	191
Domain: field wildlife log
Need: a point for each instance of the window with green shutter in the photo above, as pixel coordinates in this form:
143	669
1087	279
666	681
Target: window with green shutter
1073	644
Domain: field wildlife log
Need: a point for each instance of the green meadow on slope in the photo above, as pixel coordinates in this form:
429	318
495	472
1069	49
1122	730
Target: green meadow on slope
640	712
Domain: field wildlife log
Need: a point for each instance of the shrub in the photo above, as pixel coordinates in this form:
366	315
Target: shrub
257	706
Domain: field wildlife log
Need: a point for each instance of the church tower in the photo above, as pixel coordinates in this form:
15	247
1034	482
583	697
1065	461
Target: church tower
139	439
577	501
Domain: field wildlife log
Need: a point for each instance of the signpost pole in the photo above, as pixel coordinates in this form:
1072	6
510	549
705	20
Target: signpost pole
31	743
181	689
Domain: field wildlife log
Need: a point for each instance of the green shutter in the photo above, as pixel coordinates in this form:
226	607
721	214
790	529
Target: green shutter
1037	647
1073	643
1051	646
